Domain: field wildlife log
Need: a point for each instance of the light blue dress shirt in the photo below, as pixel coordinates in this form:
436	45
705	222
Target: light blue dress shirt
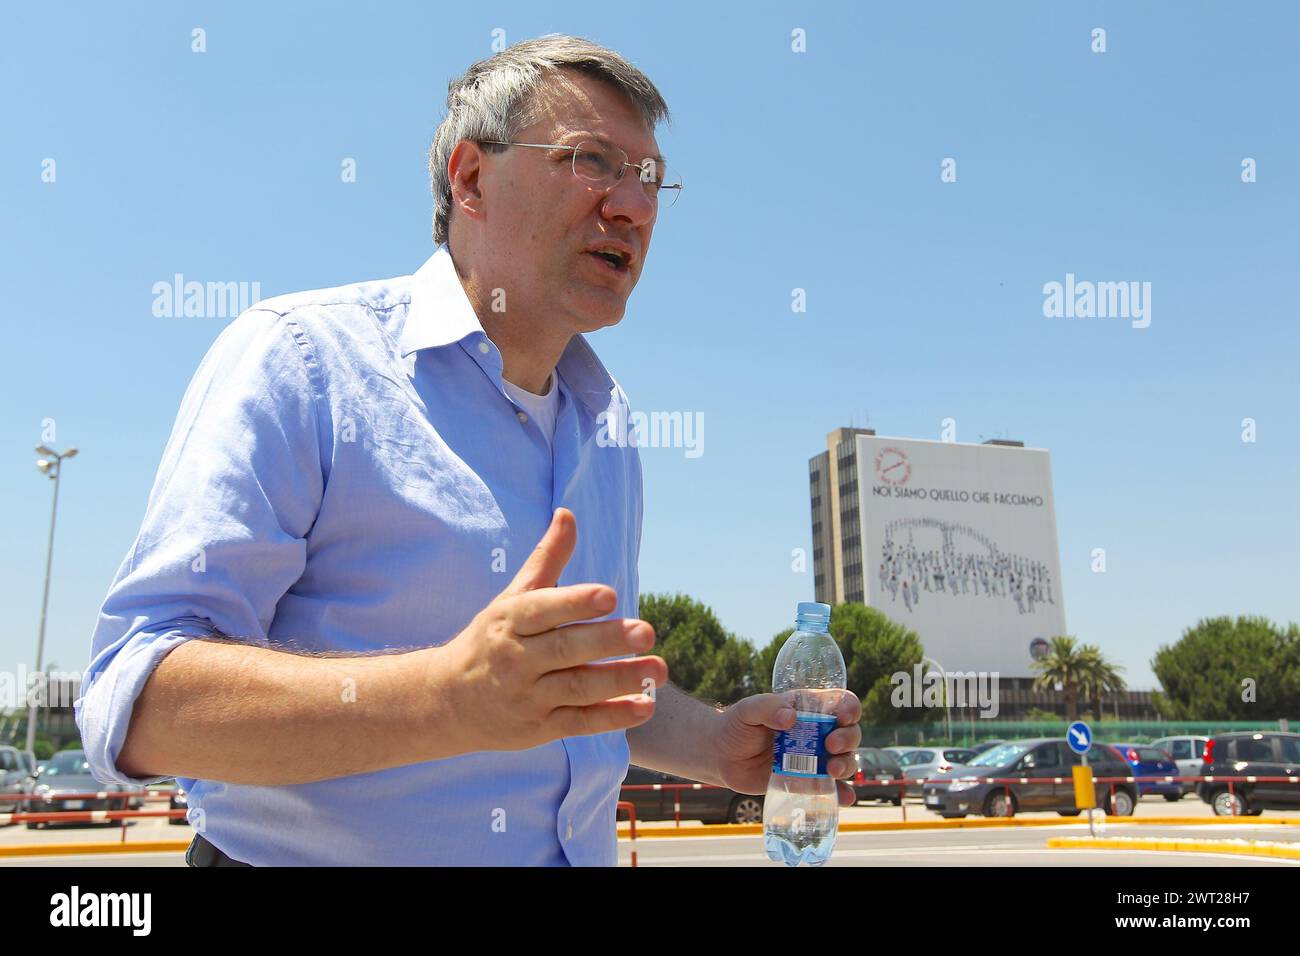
347	473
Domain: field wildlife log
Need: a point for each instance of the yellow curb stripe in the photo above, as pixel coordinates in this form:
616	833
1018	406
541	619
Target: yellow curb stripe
1254	848
57	849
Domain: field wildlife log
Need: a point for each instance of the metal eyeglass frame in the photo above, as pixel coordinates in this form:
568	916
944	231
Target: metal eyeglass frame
574	161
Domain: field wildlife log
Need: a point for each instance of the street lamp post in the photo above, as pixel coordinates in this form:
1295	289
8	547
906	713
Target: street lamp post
947	715
50	465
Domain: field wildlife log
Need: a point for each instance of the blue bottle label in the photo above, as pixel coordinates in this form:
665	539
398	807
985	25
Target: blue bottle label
801	750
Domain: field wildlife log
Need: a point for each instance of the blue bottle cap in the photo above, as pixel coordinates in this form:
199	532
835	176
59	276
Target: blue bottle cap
813	615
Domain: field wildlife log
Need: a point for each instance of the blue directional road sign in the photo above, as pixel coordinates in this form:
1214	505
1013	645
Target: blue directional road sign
1079	736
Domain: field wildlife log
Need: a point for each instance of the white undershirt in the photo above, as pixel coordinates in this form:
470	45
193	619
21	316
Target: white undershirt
542	409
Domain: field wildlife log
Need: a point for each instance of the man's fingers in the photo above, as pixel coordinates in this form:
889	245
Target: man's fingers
844	739
581	643
849	709
842	766
595	683
545	564
536	612
776	711
600	718
766	710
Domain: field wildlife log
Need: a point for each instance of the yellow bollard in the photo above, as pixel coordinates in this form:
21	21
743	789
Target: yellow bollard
1085	796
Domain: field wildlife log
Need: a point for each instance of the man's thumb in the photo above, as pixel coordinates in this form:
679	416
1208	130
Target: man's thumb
545	564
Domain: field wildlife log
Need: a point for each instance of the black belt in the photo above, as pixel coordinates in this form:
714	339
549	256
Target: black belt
203	853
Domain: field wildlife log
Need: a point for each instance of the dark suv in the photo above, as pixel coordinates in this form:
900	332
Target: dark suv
1044	764
1259	754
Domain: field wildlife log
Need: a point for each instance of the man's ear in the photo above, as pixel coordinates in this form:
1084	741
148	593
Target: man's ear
463	168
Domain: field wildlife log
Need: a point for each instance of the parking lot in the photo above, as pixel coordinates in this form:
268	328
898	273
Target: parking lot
1014	844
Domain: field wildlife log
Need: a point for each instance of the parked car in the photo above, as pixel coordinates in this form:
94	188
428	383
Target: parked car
875	765
984	745
16	780
1046	764
708	804
69	772
1151	765
920	763
176	799
1261	754
1189	753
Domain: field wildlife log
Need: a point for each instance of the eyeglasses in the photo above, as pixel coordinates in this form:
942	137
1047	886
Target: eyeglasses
604	165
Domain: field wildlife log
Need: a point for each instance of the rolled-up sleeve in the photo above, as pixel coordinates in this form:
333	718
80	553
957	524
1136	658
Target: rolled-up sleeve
224	532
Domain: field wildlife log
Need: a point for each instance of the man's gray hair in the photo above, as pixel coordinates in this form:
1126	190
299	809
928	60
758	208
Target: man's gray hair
495	99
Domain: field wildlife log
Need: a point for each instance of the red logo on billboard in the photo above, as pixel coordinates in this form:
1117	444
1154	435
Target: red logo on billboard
892	466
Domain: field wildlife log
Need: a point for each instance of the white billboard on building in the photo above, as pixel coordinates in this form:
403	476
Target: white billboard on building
959	544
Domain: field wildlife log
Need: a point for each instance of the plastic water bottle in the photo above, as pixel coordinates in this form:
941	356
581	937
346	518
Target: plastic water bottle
801	813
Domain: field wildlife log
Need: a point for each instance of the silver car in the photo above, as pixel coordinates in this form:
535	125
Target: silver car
921	763
1188	752
15	780
68	772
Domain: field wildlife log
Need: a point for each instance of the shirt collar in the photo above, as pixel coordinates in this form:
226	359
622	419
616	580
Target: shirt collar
440	314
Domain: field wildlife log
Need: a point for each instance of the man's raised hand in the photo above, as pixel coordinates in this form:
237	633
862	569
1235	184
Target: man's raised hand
523	673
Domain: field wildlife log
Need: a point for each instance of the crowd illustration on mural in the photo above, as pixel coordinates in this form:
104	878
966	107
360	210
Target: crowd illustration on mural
907	572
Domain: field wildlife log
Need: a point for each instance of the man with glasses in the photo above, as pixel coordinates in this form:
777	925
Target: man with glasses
383	607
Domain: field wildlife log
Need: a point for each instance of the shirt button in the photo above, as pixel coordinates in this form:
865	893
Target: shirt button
568	833
484	348
522	417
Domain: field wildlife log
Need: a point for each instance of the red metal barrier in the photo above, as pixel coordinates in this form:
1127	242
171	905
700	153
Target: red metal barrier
631	816
1134	778
89	816
676	788
1007	782
85	816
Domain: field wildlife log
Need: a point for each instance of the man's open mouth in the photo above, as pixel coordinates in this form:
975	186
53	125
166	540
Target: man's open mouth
616	260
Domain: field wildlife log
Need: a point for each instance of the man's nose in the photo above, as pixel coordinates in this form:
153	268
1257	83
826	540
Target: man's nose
628	199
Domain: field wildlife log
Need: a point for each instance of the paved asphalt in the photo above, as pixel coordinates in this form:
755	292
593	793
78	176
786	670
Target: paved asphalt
1013	846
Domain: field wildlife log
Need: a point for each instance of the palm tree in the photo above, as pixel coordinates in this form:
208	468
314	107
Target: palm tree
1064	665
1100	676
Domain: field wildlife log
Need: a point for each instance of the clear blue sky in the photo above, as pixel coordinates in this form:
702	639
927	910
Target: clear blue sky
817	170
